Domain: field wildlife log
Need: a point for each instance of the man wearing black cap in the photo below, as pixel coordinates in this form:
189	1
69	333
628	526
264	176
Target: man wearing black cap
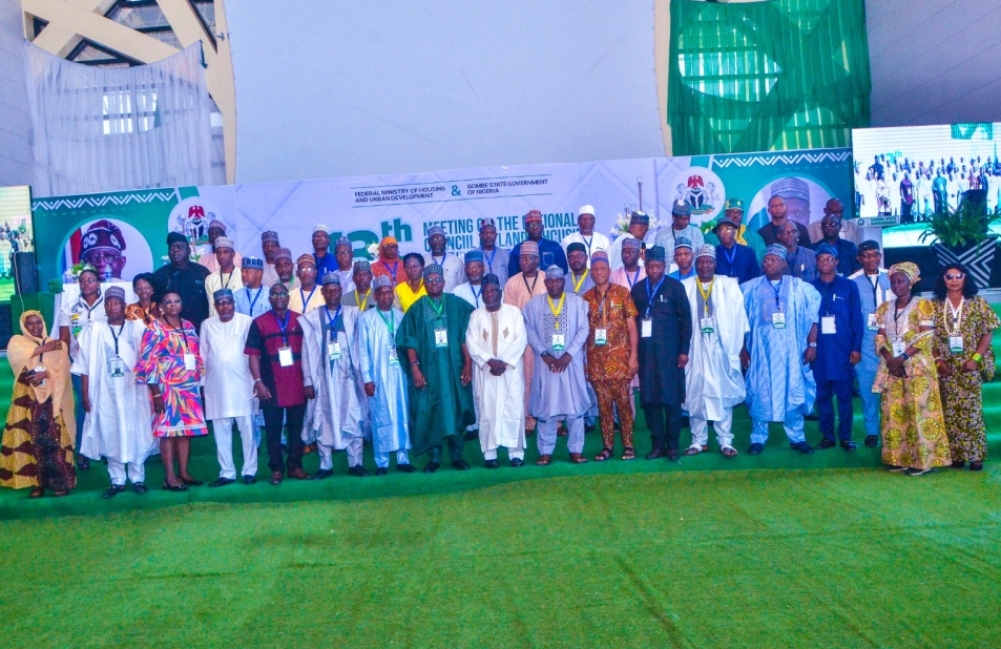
733	259
184	278
580	280
639	229
665	320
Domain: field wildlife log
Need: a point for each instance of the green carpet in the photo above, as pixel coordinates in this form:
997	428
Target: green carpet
780	550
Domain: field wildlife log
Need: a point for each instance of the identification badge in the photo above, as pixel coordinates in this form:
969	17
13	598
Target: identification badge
441	338
559	342
189	362
898	348
956	344
779	320
827	325
334	351
285	356
393	358
871	324
707	324
601	337
116	368
646	328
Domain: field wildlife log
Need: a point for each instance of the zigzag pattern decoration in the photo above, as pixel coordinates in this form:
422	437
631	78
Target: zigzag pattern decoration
770	159
979	260
101	200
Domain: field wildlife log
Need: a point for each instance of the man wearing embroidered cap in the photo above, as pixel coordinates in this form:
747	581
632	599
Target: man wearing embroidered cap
344	254
580	277
550	252
306	296
118	423
270	245
733	211
714	383
227	275
384	380
495	258
329	357
782	313
472	289
518	291
229	387
665	323
432	337
586	236
557	329
681	228
326	262
184	278
496	340
217	229
790	201
639	230
451	264
252	299
102	246
361	295
684	257
839	347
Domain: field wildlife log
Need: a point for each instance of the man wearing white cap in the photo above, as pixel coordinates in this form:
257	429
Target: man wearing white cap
227	274
452	266
216	229
714	383
593	241
325	262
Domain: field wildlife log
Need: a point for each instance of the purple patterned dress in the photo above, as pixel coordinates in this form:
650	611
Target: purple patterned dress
162	361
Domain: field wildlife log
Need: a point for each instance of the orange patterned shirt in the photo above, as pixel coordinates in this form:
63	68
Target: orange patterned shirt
611	360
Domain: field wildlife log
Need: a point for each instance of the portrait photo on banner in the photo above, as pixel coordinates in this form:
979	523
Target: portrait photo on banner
115	248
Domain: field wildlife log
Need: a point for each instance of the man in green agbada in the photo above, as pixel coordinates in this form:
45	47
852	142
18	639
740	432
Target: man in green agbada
432	340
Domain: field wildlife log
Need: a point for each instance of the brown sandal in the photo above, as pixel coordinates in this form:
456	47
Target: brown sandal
37	492
629	453
578	458
606	453
695	449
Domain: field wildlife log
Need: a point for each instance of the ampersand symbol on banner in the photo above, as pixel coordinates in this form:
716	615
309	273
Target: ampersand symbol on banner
455	191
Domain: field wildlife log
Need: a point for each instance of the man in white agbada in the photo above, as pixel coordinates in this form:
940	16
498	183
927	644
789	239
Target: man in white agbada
384	380
496	339
229	387
118	423
329	354
714	383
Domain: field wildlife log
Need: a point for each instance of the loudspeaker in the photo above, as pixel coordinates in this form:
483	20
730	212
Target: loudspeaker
25	279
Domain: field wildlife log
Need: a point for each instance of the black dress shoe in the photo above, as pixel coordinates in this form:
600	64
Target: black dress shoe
755	449
471	435
656	453
381	470
323	474
871	441
826	443
405	468
802	447
431	467
517	462
113	491
83	464
222	482
249	479
848	445
358	471
673	455
460	465
492	464
139	488
958	464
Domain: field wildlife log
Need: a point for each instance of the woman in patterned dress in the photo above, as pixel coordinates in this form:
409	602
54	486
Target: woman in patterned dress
37	446
964	326
171	365
913	430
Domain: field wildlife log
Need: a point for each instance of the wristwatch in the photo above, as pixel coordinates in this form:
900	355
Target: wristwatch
813	344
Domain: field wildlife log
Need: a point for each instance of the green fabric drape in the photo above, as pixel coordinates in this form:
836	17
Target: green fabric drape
770	75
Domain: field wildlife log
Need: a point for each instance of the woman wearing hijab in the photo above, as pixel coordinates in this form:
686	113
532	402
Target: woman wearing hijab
913	430
37	446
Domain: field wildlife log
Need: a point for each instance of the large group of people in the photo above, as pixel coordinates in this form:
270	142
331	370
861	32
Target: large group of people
410	355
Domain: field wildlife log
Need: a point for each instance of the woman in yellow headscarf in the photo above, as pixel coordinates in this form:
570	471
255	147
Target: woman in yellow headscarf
37	446
913	428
